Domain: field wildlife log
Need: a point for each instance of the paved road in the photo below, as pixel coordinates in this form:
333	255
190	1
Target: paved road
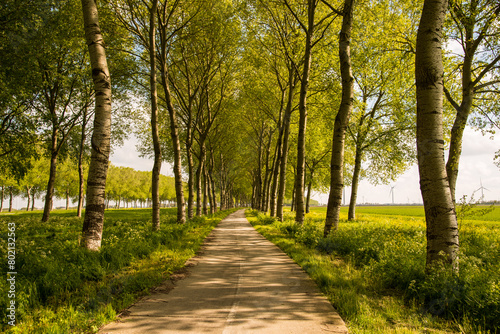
242	283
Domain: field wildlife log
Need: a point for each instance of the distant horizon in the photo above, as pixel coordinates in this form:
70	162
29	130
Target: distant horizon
476	170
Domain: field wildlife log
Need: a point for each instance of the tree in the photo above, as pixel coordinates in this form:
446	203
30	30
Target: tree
155	184
81	154
8	185
36	178
440	216
140	21
309	29
276	49
54	64
341	120
96	182
474	26
201	78
18	122
67	185
381	129
167	30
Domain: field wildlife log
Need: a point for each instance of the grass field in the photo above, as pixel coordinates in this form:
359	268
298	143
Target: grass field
62	288
414	211
373	270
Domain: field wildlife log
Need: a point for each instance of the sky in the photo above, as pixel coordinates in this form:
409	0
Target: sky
476	167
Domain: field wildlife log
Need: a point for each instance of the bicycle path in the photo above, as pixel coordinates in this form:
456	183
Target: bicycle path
241	283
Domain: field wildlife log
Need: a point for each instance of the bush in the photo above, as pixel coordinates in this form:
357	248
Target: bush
289	228
309	234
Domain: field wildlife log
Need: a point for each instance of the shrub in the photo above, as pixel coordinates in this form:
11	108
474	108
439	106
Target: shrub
309	234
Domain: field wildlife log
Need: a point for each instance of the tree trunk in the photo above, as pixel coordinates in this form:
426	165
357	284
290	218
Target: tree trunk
11	197
174	135
258	177
222	197
98	169
309	188
442	229
32	202
265	187
190	174
277	159
80	163
1	199
275	175
301	141
457	132
214	197
286	133
67	199
199	178
205	190
155	175
52	176
463	112
355	182
210	191
28	194
341	121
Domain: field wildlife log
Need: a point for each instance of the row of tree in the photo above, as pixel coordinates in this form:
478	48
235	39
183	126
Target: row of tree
125	187
252	101
375	104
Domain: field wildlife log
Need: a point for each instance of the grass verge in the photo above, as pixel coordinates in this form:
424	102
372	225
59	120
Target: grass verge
372	270
62	288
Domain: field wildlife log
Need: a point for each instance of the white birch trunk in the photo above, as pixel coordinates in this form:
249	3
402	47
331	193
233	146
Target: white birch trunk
96	182
442	230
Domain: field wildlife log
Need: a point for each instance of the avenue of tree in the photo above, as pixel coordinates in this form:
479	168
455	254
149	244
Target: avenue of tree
251	101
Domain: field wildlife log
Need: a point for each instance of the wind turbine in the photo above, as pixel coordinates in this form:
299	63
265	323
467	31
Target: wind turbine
482	189
391	192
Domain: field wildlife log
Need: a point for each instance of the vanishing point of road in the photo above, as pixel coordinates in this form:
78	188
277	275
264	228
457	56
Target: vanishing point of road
241	283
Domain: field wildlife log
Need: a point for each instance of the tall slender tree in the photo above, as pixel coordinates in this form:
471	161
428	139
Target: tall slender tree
164	29
96	182
440	216
341	120
155	184
304	85
475	27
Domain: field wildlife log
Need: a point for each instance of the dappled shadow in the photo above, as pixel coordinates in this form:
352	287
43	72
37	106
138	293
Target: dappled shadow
242	284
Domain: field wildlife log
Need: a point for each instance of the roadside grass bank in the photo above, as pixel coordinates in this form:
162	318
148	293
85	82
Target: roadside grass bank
63	288
373	271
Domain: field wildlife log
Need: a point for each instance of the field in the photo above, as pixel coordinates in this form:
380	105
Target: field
62	288
417	211
372	269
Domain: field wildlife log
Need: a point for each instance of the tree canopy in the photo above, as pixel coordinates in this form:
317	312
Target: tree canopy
252	102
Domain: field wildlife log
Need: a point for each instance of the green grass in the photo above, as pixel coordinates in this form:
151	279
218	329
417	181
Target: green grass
62	288
412	211
373	271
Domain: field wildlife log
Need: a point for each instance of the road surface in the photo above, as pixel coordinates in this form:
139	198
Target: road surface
242	283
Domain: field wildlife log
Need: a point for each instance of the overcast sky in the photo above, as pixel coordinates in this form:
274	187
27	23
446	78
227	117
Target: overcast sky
476	166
